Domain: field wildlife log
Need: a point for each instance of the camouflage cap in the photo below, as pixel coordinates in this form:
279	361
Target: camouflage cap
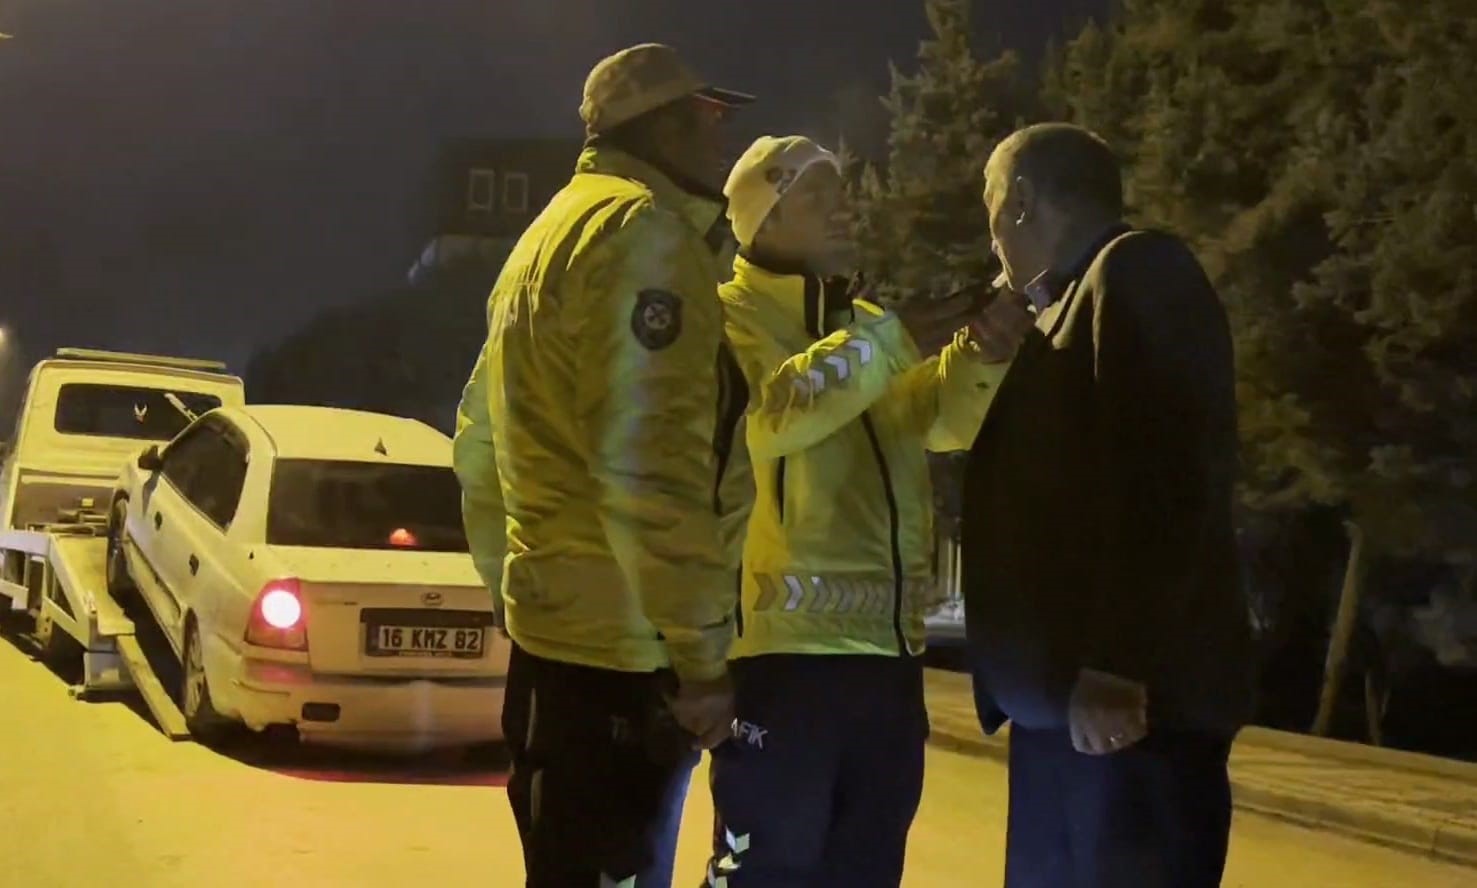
643	78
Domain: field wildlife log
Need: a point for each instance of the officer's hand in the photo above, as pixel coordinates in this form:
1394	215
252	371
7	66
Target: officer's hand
932	323
1107	713
1000	328
705	710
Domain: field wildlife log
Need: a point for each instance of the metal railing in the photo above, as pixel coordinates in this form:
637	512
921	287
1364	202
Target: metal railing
949	571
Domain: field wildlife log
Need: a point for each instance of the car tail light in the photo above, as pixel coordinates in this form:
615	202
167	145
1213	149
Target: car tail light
278	619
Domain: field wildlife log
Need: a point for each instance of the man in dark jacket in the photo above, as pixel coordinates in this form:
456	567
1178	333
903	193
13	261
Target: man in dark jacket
1104	614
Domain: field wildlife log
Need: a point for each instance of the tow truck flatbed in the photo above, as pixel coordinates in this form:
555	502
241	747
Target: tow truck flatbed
68	572
57	480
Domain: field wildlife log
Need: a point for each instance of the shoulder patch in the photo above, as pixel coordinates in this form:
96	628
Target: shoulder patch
656	321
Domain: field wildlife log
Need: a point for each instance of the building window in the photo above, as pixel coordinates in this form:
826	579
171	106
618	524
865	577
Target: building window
481	193
515	192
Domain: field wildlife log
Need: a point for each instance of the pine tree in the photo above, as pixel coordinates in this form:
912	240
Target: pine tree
920	219
1198	96
1321	159
1402	277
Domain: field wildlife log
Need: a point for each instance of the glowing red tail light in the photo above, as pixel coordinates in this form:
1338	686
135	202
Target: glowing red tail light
278	619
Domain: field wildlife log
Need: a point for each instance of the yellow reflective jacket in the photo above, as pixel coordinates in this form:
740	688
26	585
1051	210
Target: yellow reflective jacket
473	459
606	384
839	555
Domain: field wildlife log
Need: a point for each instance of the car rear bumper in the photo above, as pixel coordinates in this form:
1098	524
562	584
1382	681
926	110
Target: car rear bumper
362	712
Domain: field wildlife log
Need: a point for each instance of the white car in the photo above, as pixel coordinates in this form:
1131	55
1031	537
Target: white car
309	567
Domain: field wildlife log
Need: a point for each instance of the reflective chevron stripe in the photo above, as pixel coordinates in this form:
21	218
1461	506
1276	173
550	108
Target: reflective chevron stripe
834	368
839	594
719	870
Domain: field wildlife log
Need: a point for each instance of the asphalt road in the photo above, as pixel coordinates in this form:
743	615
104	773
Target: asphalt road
90	793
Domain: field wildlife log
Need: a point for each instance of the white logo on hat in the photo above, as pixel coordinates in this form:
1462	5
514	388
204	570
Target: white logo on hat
781	178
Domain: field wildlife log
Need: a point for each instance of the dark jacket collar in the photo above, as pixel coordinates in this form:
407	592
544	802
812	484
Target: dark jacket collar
1049	286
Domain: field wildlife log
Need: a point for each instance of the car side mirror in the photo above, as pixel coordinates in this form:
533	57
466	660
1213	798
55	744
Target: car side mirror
150	460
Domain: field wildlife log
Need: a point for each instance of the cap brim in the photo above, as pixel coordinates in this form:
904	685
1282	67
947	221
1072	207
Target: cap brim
729	97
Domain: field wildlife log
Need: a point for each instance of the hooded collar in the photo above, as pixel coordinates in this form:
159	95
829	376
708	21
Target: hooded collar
704	213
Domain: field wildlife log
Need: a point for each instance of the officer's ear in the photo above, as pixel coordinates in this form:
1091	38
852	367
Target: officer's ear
1023	200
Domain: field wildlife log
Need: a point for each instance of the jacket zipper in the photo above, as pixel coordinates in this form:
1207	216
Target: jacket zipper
811	301
893	534
779	487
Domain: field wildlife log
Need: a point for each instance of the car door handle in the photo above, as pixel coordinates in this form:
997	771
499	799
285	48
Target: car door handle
158	520
194	565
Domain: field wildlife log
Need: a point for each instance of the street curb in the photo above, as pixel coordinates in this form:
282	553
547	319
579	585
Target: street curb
1451	841
1378	756
1458	842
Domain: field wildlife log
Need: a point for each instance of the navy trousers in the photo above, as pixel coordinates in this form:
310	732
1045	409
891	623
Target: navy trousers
820	784
1156	815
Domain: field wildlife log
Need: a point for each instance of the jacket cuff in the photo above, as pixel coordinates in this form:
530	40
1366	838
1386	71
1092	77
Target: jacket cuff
703	657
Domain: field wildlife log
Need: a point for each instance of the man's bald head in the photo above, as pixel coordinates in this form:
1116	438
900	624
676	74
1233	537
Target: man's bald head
1068	165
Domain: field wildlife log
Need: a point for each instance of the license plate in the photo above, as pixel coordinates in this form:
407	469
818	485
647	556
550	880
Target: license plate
424	641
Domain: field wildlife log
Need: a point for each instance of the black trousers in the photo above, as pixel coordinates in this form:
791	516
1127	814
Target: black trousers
599	775
1157	815
820	784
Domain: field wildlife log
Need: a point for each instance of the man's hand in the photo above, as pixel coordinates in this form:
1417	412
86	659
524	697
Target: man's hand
1107	714
704	709
933	322
1000	328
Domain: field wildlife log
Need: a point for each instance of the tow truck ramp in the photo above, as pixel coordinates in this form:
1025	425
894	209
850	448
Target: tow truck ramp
66	575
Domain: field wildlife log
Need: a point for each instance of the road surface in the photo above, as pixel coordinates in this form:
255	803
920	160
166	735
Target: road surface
89	792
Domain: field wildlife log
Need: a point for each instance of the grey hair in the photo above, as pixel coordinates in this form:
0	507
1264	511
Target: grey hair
1071	165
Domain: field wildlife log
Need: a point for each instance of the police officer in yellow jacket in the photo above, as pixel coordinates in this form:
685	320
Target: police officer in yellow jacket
482	496
611	437
822	778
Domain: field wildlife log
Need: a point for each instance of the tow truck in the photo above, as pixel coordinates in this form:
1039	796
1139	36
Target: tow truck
85	413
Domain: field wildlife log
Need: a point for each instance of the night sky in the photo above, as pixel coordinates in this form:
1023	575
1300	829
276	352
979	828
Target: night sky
201	176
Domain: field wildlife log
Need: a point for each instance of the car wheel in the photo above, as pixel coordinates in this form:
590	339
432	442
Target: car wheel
206	725
120	583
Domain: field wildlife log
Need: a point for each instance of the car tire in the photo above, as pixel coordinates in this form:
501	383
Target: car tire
120	584
206	725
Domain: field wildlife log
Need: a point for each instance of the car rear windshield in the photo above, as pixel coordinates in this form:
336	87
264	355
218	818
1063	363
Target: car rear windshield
356	505
121	411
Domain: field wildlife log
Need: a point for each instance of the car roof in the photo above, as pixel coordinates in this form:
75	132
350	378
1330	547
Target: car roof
331	433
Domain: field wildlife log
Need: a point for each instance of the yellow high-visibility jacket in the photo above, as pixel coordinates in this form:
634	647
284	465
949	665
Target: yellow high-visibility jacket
473	459
839	555
611	408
